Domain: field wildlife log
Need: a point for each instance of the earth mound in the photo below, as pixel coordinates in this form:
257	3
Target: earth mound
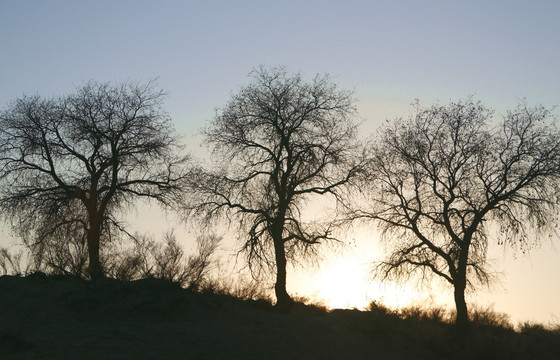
45	317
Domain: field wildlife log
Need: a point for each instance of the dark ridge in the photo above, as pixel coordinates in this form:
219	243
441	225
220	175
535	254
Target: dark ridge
57	317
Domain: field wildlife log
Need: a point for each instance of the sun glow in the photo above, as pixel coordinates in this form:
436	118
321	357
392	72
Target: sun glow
346	284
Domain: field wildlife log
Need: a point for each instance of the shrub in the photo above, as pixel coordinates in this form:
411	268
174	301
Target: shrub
166	261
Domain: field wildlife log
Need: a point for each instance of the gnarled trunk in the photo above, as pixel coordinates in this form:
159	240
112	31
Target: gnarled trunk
94	268
460	284
93	239
283	300
462	317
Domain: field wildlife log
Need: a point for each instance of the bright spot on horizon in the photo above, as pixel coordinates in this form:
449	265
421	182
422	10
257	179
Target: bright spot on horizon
346	284
343	284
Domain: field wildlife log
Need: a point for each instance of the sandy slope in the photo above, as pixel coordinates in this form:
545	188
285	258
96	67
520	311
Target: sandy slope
57	318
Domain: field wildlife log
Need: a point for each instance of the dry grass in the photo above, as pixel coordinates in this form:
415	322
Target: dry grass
492	335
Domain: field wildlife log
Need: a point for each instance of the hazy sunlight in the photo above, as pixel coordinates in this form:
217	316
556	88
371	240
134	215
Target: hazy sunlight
346	284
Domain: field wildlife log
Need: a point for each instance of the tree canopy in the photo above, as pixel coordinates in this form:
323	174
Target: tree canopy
70	164
440	180
276	143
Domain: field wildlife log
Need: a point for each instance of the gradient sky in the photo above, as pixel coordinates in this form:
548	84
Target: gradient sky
389	52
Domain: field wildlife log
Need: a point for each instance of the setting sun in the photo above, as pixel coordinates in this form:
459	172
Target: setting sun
346	284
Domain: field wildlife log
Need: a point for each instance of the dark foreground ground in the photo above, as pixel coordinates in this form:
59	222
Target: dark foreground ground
59	318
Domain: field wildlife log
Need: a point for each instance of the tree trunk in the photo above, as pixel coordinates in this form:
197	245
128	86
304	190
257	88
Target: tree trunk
93	238
283	300
460	284
462	317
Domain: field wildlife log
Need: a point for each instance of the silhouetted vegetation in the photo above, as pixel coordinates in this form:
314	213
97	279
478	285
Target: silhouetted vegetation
439	181
166	261
13	263
140	258
277	143
492	335
441	185
70	165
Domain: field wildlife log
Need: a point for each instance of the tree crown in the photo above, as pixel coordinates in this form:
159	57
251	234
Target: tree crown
440	179
278	141
100	147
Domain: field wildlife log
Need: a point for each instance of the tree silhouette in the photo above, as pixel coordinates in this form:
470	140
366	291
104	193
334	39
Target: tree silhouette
71	164
276	143
440	181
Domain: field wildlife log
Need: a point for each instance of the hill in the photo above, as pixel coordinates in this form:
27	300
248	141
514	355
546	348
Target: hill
44	317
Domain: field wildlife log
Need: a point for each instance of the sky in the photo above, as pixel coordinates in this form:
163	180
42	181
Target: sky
388	52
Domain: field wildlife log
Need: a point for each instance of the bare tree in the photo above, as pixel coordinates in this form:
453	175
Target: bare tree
440	181
276	143
200	264
78	160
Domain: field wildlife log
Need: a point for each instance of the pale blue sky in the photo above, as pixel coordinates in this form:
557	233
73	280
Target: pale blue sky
390	52
203	50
